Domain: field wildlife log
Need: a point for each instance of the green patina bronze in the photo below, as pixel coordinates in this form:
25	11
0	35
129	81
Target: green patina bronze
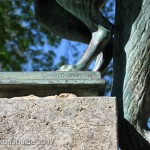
81	83
77	20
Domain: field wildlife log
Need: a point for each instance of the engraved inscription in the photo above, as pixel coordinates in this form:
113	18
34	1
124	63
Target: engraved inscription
72	76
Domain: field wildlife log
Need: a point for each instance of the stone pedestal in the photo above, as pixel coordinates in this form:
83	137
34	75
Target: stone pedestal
64	122
58	123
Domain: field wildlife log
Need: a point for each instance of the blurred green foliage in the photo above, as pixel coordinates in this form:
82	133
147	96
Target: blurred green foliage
22	38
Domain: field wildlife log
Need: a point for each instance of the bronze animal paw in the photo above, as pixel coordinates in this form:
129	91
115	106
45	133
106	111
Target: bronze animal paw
70	68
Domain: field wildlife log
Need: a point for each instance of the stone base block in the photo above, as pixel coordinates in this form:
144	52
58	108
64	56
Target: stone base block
58	123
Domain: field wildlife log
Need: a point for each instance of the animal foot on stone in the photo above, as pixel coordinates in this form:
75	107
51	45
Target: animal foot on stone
70	68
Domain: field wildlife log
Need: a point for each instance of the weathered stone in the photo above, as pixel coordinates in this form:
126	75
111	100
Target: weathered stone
81	83
56	123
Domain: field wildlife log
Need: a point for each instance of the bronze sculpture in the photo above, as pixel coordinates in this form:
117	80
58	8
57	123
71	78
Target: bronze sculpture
77	20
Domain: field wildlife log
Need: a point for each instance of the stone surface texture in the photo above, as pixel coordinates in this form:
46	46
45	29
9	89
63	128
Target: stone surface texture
64	122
